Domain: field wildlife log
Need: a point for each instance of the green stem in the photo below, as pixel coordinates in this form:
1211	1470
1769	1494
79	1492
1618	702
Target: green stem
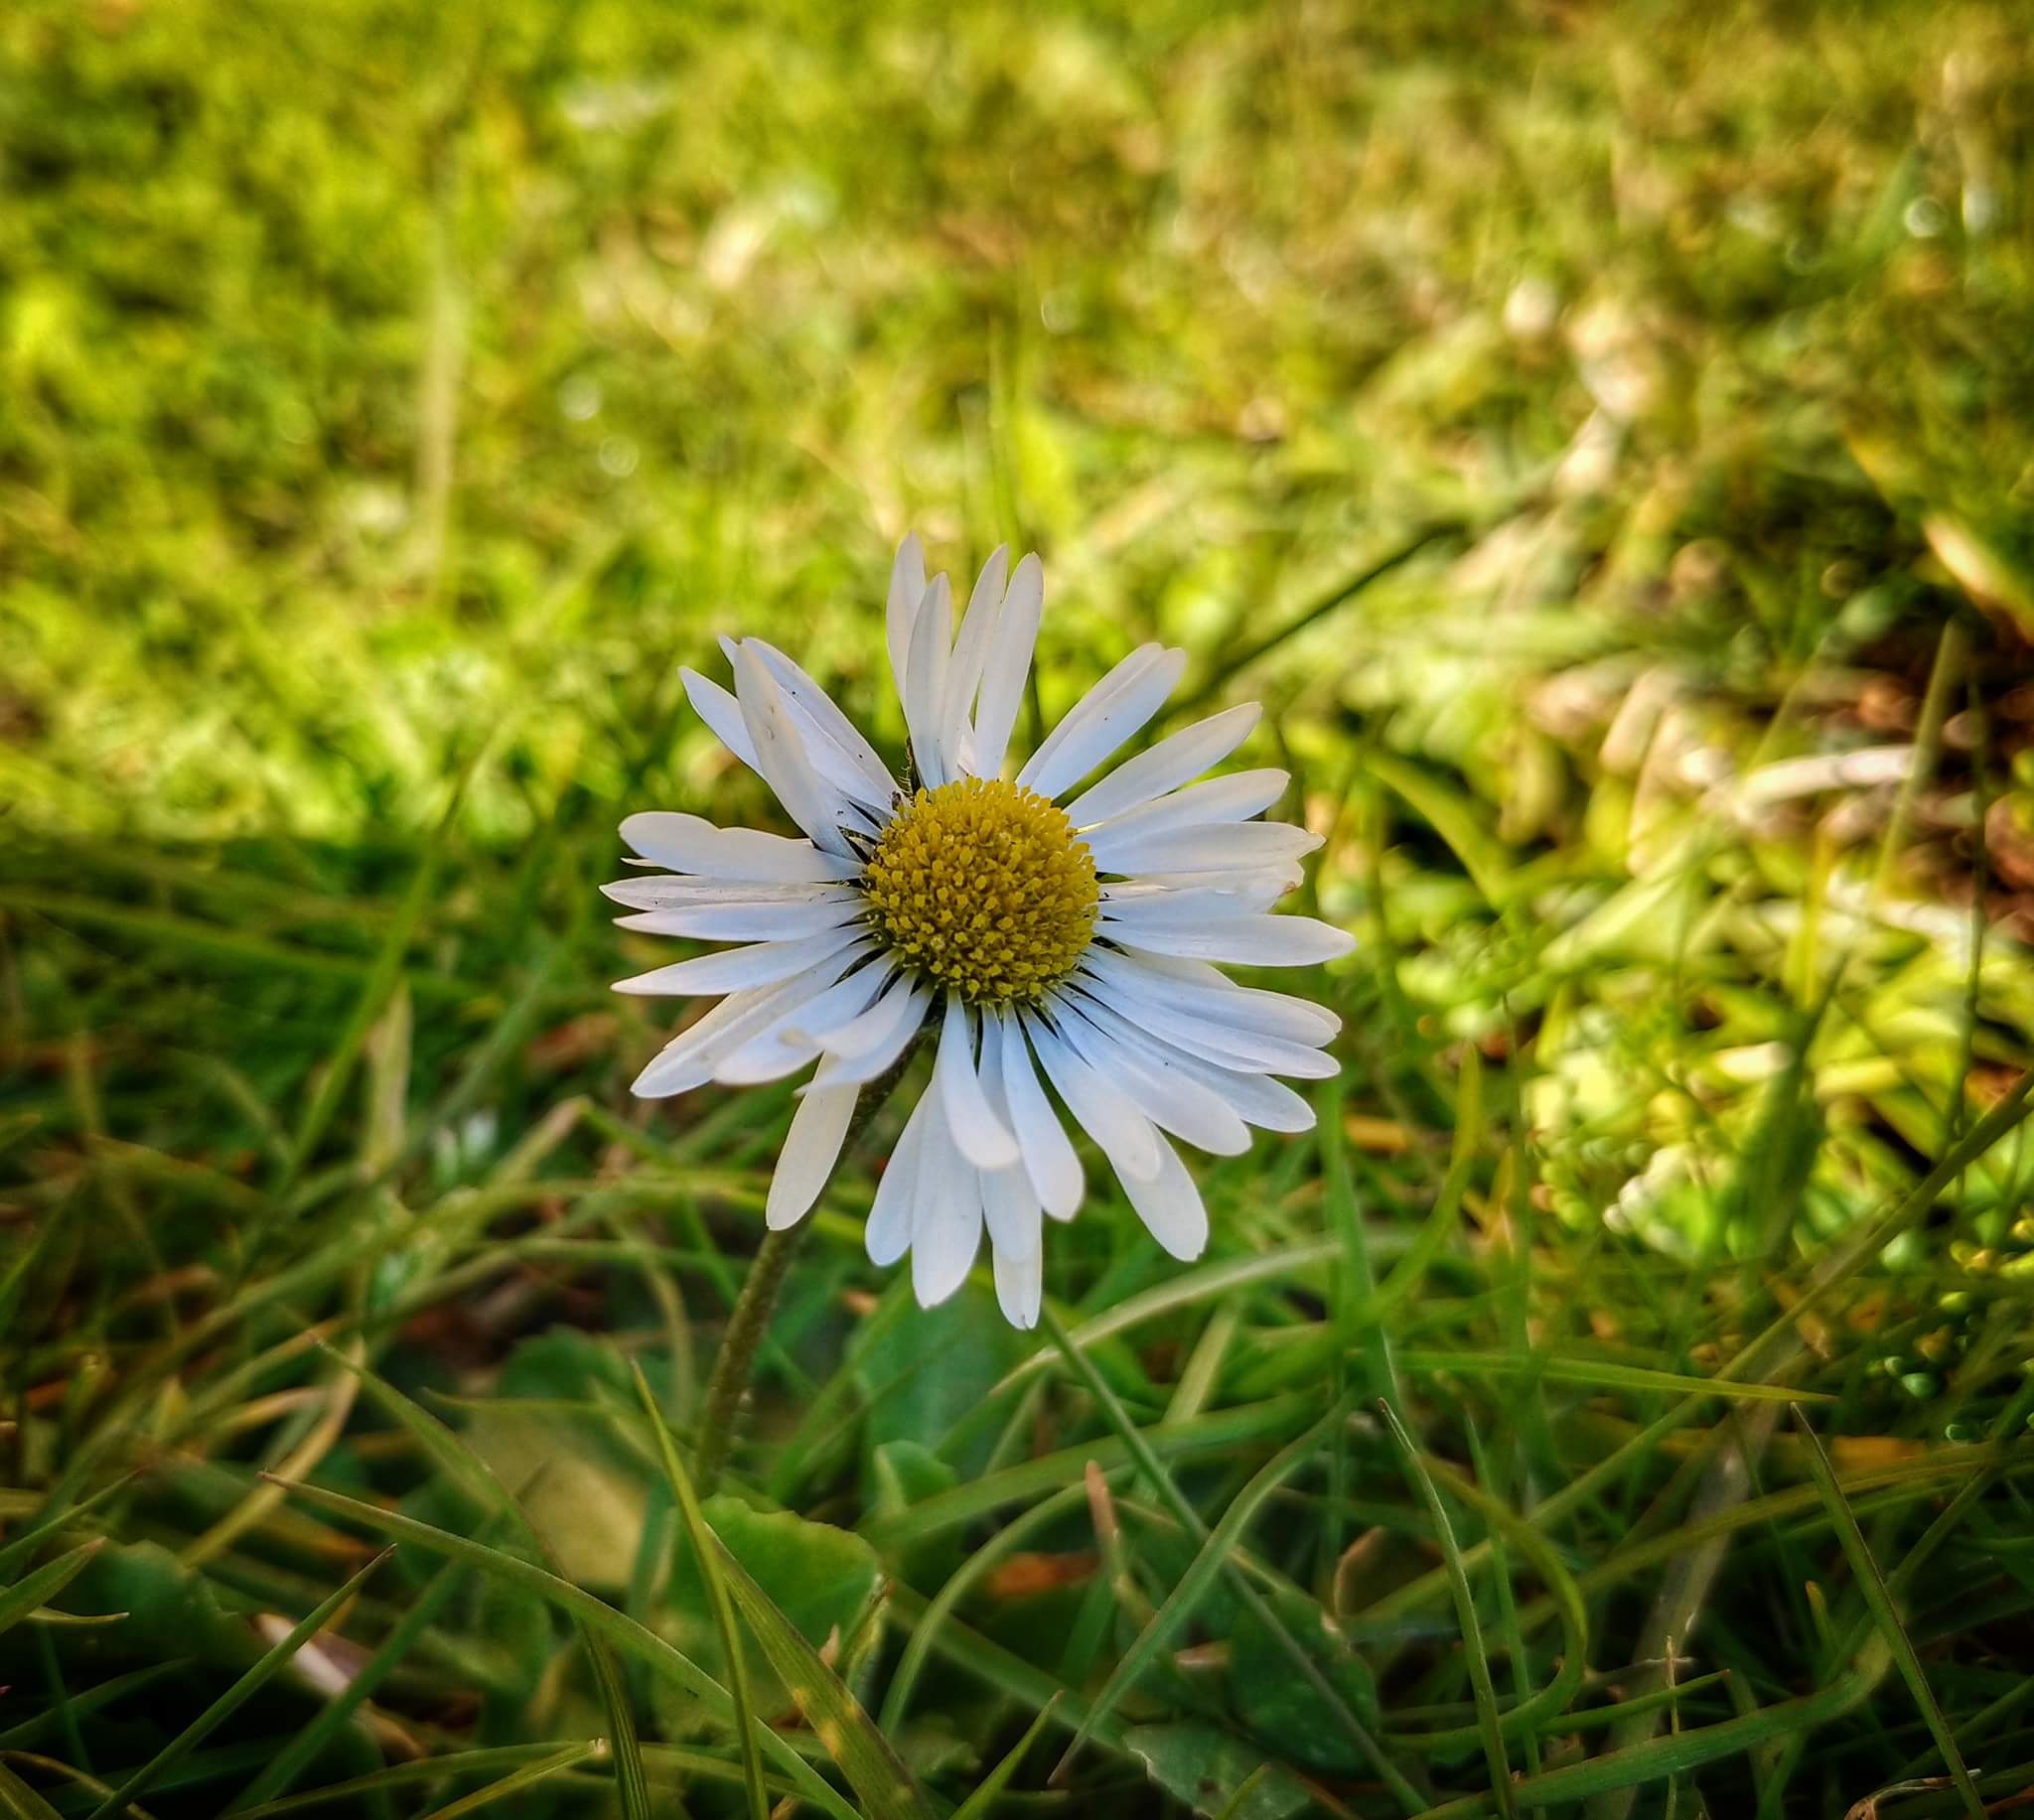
735	1362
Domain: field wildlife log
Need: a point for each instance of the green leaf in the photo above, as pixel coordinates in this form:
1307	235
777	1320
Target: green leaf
1288	1710
1452	815
876	1771
1207	1771
928	1368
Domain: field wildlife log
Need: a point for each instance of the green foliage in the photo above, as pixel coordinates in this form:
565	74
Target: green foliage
1601	437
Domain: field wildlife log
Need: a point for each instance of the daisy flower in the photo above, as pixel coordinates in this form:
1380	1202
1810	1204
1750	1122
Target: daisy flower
1054	941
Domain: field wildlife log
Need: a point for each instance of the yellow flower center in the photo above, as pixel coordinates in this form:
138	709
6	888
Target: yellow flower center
984	888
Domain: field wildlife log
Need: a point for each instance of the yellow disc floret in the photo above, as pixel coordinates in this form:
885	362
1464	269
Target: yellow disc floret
984	888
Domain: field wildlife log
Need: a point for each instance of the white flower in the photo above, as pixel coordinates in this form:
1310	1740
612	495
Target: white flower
1061	947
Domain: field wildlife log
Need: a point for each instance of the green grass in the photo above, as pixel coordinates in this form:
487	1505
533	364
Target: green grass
1603	438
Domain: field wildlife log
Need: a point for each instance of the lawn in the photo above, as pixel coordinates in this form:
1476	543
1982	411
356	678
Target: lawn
1602	437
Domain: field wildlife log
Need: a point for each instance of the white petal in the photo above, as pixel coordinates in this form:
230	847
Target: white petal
689	1059
1103	718
661	891
1130	908
1108	1117
725	1022
1235	797
1254	1097
865	1050
732	969
1168	1096
1048	1157
1020	1286
946	1215
1244	844
888	1232
1248	941
839	1006
1194	986
1170	1206
746	921
982	1136
1245	892
970	652
810	1149
925	694
1225	1046
784	1044
859	772
1007	667
723	714
907	591
1172	762
1262	885
808	798
687	843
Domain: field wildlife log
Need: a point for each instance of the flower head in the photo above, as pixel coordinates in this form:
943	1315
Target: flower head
1056	944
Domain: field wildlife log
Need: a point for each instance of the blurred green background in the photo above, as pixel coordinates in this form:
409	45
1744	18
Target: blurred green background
1603	435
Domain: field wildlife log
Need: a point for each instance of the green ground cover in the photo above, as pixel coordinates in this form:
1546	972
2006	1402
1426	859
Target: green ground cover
1605	440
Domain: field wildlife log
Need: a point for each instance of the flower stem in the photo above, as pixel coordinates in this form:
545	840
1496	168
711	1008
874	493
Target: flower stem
735	1362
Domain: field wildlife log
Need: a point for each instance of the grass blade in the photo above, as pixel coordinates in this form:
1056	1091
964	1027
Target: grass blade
244	1689
1880	1598
517	1779
46	1583
1139	1449
704	1540
1208	1563
1465	1610
277	1775
467	1470
21	1802
983	1799
624	1632
877	1772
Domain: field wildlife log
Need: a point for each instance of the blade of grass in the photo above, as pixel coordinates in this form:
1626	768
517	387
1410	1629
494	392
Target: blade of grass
1139	1449
1872	1584
982	1800
243	1690
466	1468
1657	1758
877	1772
924	1633
633	1640
1360	1283
1602	1375
517	1780
1475	1659
46	1583
929	1516
717	1597
21	1802
382	979
281	1770
1206	1565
